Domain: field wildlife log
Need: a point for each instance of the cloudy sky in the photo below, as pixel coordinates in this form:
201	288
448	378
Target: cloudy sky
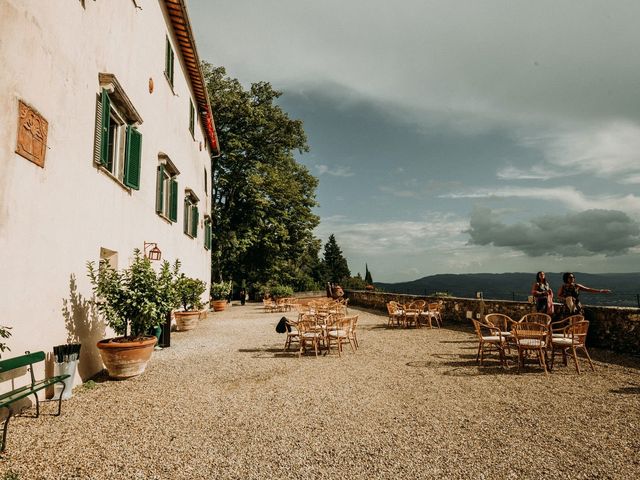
455	136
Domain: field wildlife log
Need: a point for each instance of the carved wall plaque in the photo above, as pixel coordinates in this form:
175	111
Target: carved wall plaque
32	134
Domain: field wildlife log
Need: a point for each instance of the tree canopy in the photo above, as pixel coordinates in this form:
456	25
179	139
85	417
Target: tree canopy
262	199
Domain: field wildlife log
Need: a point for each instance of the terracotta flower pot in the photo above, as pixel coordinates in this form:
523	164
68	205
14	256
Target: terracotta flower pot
187	320
124	359
218	305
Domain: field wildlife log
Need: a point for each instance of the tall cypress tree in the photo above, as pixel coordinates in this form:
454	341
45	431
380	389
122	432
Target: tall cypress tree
367	276
335	264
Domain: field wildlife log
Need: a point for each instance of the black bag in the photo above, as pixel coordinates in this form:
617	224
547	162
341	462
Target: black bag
282	326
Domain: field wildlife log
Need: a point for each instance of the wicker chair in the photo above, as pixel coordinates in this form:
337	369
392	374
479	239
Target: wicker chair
531	337
308	333
433	312
558	328
574	337
395	314
292	333
339	333
489	336
353	334
411	315
504	323
536	317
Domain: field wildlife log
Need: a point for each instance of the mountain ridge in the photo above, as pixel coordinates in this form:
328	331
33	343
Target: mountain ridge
517	286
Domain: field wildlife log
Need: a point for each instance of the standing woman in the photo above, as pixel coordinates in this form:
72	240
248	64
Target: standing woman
542	294
570	293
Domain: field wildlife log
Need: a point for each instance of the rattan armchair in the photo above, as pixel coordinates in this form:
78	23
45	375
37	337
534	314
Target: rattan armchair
536	317
292	333
308	333
489	336
395	314
574	337
339	333
531	337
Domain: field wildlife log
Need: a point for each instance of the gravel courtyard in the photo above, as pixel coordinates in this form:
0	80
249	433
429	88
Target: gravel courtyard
226	402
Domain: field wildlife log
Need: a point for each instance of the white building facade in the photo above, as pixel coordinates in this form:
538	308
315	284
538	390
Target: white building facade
106	141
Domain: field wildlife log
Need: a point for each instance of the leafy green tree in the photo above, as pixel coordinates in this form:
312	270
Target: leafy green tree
368	279
336	267
262	199
355	283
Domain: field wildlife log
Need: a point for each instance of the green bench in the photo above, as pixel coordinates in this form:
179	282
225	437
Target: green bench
8	399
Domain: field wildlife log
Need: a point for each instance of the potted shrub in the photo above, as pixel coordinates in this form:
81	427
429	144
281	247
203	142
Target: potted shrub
189	291
132	301
219	293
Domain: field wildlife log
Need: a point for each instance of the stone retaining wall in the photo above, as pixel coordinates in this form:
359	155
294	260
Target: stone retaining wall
613	328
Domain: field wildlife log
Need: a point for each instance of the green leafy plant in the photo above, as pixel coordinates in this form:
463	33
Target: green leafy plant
134	299
220	290
189	292
280	291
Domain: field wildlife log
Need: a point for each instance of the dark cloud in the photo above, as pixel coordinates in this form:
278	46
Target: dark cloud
590	232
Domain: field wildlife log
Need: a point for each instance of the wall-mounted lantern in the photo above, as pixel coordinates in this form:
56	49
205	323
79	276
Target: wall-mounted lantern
151	251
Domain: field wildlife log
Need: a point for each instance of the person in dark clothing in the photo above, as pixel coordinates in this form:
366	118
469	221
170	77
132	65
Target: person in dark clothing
542	293
570	293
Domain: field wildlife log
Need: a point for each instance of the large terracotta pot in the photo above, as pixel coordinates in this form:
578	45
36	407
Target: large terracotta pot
187	320
126	359
218	305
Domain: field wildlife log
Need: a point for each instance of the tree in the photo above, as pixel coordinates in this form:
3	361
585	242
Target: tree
367	275
262	199
336	267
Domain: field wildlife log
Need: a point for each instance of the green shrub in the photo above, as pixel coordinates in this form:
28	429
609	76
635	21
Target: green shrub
189	291
220	290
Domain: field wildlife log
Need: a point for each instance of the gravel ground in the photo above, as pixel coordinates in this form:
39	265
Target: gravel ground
226	402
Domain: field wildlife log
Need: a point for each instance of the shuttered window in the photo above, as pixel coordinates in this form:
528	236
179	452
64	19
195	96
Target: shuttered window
191	215
168	62
207	233
132	158
118	144
167	192
192	118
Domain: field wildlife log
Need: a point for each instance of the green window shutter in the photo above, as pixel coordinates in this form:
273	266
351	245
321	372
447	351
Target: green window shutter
160	189
169	62
187	214
192	115
173	200
194	225
207	235
133	158
105	112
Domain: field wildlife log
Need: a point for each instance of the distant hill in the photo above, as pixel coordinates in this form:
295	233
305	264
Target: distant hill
516	286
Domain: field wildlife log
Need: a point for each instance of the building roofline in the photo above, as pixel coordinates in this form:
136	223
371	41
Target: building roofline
179	17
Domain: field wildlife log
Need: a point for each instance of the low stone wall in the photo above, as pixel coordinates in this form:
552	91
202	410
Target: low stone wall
613	328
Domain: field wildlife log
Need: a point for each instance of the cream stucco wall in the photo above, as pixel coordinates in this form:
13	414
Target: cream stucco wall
55	219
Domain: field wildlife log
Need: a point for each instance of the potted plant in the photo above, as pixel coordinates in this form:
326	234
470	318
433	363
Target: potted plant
219	293
189	291
132	302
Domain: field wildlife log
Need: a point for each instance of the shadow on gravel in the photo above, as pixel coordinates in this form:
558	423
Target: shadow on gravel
269	352
627	390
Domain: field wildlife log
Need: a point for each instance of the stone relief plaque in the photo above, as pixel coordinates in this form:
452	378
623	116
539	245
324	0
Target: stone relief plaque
32	134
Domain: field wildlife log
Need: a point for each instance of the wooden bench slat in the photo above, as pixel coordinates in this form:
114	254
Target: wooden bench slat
21	361
25	391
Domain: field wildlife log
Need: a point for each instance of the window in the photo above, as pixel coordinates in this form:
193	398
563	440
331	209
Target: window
118	143
206	183
207	233
168	62
167	190
192	118
190	214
